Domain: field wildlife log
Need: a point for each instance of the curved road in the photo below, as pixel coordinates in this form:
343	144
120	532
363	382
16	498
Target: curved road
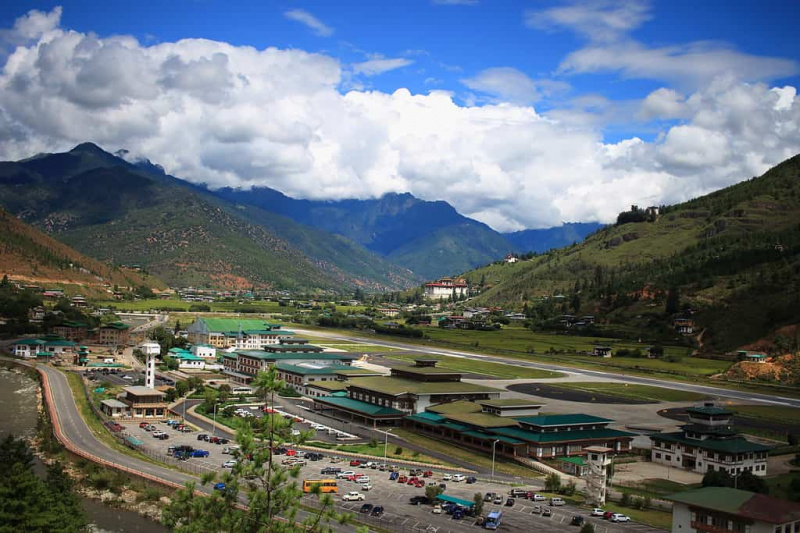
677	385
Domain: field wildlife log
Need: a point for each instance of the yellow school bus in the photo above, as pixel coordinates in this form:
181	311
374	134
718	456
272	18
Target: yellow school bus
325	485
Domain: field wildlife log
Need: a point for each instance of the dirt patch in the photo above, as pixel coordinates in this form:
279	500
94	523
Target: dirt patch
557	393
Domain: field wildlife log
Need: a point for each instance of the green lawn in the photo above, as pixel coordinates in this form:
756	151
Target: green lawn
474	457
772	413
651	517
498	370
780	486
634	392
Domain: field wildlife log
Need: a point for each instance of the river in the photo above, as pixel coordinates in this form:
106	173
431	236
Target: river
18	405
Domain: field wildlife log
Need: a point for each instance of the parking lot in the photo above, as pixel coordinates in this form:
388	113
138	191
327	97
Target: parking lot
399	513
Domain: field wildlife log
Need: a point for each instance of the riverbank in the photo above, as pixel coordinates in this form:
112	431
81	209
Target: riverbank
110	497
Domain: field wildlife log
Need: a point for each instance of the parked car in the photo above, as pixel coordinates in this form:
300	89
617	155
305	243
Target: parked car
377	510
201	436
353	496
420	500
619	517
577	520
489	496
498	499
290	453
366	508
363	479
427	473
402	479
557	502
538	498
510	502
355	462
597	512
393	476
547	512
458	513
517	493
607	515
200	453
459	477
366	486
220	486
437	509
344	475
537	509
230	449
471	480
229	464
163	436
330	470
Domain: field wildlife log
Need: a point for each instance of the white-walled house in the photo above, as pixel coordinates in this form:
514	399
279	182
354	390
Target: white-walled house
445	288
206	351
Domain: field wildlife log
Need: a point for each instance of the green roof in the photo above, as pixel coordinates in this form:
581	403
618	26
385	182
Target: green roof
330	385
60	342
297	369
482	420
456	407
187	357
396	386
427	418
116	325
30	342
228	355
178	351
724	499
562	436
734	445
358	406
486	436
74	324
267	356
235	324
574	460
562	420
351	371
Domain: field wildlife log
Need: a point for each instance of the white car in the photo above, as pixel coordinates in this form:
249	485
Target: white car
597	512
353	497
295	433
619	517
346	474
366	486
459	477
229	464
437	509
363	480
447	477
539	498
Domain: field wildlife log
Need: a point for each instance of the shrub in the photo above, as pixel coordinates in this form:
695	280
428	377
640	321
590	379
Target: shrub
625	501
398	450
587	528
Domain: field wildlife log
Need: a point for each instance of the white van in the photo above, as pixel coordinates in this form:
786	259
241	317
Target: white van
363	480
557	502
242	390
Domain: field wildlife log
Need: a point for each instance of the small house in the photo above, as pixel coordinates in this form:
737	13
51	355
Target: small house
602	351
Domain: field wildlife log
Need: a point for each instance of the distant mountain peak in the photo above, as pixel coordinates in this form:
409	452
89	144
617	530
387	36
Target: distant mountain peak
89	148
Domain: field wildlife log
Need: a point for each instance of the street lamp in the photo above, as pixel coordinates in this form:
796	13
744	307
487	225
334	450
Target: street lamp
493	455
385	444
214	425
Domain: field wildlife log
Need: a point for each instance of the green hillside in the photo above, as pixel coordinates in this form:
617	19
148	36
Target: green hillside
115	212
732	259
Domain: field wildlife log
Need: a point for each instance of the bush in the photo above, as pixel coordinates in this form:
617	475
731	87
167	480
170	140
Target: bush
625	501
587	528
148	494
569	489
398	450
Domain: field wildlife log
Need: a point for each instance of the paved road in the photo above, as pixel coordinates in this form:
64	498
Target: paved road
689	387
75	429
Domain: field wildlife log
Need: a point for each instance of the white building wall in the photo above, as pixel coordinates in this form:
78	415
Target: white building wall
206	352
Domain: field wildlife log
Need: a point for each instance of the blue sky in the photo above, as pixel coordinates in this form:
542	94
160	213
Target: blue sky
641	78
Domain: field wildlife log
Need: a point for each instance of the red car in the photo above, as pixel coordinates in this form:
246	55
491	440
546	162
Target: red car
402	479
355	463
427	473
419	484
607	515
143	424
291	452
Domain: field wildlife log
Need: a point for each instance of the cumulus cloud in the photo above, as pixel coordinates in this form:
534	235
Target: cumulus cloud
226	115
379	65
307	19
663	103
507	84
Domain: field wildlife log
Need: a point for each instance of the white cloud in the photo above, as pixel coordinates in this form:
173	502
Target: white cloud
32	26
599	20
692	66
663	103
231	115
377	66
304	17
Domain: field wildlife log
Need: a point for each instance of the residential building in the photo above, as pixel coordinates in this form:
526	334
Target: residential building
186	359
540	437
206	351
709	442
47	346
445	288
510	258
388	311
71	330
79	301
113	334
727	510
36	314
242	334
684	326
144	402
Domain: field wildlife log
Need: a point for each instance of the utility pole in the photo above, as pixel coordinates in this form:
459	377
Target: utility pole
493	456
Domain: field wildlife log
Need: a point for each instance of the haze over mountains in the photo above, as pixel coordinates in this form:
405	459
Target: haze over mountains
128	213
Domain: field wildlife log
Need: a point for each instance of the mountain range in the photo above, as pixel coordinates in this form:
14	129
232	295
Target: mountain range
186	234
729	262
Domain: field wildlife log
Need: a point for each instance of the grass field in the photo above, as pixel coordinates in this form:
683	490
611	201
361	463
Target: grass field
519	339
633	392
377	452
772	413
497	370
473	457
216	307
780	486
353	347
